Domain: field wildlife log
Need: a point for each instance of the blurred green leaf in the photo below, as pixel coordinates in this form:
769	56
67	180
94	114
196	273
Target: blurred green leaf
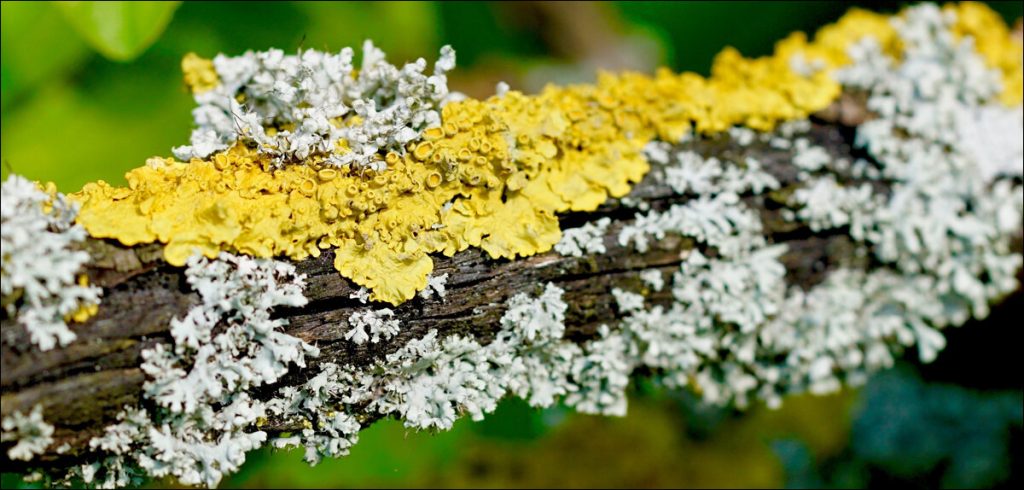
31	54
119	30
103	128
518	421
412	27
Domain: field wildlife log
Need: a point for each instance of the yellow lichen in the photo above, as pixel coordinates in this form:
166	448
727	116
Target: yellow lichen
493	175
85	311
200	75
993	41
831	41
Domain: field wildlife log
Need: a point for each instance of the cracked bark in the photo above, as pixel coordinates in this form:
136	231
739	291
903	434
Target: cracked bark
83	386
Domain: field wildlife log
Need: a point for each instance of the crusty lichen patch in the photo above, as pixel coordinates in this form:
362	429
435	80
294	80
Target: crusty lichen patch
492	175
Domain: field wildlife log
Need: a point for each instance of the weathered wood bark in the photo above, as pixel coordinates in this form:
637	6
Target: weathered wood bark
83	386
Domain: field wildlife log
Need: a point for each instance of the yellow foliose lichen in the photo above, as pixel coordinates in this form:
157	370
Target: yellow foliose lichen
85	311
993	41
200	75
494	175
831	42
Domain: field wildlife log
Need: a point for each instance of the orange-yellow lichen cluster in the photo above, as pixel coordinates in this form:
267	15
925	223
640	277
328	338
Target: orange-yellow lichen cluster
493	176
199	72
831	42
993	41
85	311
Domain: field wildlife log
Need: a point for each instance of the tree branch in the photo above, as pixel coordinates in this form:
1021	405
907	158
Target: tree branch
83	386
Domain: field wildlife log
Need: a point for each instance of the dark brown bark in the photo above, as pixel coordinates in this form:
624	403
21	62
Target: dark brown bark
83	386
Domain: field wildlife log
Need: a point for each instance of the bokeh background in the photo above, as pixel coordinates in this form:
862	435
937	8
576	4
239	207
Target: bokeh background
92	90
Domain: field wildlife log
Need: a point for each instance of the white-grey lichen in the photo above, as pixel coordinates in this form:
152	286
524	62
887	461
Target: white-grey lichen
30	433
586	239
688	172
296	106
431	382
238	292
541	360
501	88
40	264
989	136
733	329
600	375
372	325
714	214
227	345
362	294
949	215
942	230
742	136
627	302
653	278
435	286
808	157
712	219
824	204
328	430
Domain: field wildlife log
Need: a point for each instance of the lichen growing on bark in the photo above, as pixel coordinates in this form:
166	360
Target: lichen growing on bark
451	182
732	329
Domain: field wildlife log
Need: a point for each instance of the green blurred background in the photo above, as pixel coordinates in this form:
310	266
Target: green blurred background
90	91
